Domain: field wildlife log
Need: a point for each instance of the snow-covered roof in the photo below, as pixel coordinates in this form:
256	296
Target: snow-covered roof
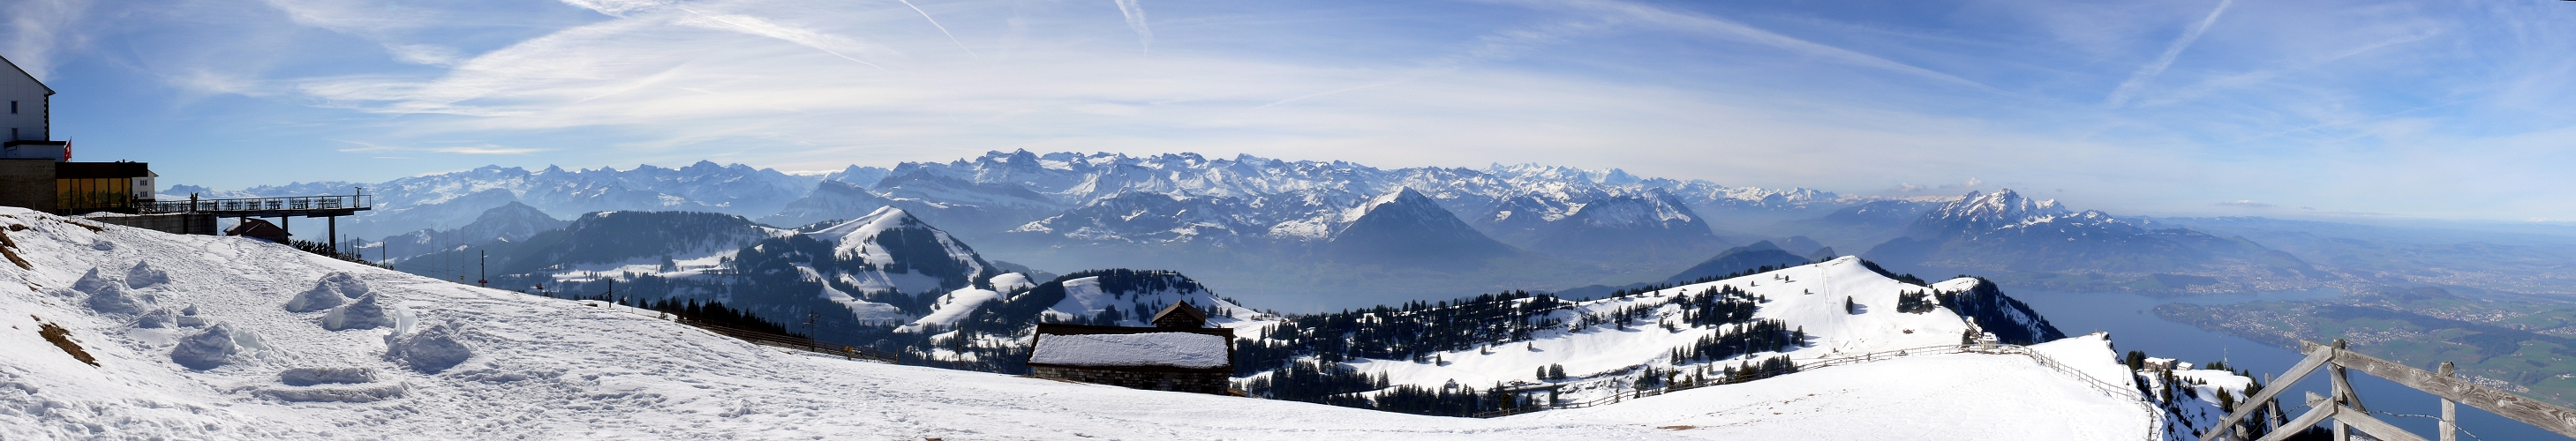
1156	349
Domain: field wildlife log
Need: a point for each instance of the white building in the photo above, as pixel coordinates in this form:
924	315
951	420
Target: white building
27	115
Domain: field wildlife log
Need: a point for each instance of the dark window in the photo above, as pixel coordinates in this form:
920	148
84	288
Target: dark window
13	107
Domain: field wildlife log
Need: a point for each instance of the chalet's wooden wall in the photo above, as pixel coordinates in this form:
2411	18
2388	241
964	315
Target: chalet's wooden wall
1195	382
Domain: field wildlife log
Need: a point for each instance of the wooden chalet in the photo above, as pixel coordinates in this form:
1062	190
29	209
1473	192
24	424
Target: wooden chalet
1179	353
258	229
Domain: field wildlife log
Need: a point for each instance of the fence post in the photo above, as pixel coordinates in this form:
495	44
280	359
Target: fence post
2450	410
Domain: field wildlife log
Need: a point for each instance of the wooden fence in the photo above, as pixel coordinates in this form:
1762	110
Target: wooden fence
2347	413
765	338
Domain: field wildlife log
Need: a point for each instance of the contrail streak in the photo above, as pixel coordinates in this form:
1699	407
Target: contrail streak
2151	70
1136	20
943	30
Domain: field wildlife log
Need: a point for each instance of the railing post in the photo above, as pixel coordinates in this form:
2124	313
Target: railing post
2273	407
2450	410
2342	393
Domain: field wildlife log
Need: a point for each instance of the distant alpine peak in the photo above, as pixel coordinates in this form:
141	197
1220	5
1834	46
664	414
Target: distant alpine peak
2001	208
885	218
1403	196
1615	177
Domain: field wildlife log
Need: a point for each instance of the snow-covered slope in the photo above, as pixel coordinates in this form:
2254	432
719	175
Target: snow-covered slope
467	363
889	250
1948	396
1840	308
1114	297
229	338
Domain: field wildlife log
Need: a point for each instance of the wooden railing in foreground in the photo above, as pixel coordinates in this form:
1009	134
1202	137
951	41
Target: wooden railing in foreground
766	338
794	342
2345	409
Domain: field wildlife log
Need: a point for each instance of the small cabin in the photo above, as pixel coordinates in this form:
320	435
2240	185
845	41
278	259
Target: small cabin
1179	353
258	229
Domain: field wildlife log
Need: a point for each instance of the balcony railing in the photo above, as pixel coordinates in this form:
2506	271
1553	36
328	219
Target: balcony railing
297	203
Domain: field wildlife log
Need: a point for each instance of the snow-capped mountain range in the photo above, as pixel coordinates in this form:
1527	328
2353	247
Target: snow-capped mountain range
450	200
1256	223
1268	198
1277	229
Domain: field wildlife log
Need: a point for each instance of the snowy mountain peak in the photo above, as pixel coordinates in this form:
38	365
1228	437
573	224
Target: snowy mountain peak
2003	204
1401	197
856	233
1407	228
1653	208
1979	212
1537	172
890	249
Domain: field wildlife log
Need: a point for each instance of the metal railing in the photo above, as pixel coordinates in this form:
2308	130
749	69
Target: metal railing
334	202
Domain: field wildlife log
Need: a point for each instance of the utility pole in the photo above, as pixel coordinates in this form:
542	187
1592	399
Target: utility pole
479	279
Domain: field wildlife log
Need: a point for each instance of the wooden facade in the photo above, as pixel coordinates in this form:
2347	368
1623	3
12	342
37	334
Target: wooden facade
1179	318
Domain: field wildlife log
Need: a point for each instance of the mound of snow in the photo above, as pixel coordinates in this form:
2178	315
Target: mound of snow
324	295
347	284
143	275
109	295
429	350
218	345
366	313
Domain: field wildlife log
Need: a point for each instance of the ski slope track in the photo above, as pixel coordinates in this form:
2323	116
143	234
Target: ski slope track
192	339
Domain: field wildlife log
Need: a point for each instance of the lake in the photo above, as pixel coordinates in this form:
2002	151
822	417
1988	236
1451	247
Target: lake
2131	320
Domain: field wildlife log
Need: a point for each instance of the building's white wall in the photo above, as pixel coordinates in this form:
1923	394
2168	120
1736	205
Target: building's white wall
144	188
30	95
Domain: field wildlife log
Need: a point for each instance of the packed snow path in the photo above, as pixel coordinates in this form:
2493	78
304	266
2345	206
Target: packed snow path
192	339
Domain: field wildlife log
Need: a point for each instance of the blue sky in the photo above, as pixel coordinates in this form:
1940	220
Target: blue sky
2431	109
